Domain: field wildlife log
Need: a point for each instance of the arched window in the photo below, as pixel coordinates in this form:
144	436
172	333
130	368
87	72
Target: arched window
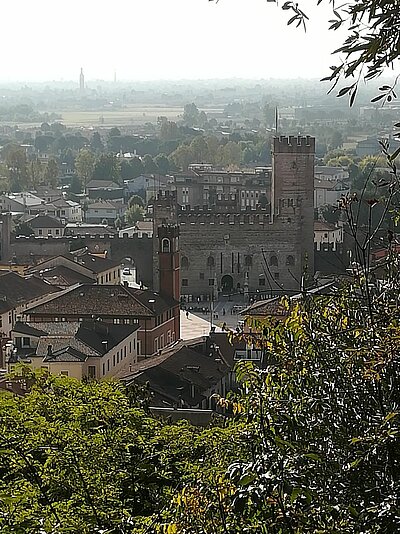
166	245
210	262
184	262
248	261
290	260
273	261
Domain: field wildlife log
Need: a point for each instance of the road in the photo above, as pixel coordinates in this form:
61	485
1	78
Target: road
222	310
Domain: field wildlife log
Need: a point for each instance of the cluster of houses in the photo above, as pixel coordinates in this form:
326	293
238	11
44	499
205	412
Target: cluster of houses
72	314
330	184
47	212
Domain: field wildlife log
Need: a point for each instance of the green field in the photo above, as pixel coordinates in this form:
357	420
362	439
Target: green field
128	116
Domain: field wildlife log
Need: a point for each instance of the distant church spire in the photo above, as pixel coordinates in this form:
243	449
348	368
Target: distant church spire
81	81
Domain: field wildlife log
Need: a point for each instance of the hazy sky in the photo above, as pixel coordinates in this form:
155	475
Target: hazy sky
160	39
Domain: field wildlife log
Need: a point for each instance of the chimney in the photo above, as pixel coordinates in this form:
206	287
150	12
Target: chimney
105	345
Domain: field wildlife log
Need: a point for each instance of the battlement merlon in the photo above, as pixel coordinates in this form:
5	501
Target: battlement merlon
246	220
294	144
168	231
205	210
82	237
165	198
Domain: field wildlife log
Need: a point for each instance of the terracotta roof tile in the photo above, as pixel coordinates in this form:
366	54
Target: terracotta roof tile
104	301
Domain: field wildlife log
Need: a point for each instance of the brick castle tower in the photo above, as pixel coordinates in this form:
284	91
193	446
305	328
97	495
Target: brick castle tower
292	191
168	261
169	265
164	214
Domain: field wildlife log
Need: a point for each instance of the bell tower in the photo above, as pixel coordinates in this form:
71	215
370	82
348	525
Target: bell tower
82	82
164	215
168	260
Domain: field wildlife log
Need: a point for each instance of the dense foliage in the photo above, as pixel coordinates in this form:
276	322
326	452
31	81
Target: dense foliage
81	458
311	445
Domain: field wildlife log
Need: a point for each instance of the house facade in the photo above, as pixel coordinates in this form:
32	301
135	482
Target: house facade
141	228
328	236
333	174
80	350
94	267
16	294
19	202
238	189
157	317
46	226
328	192
65	210
103	210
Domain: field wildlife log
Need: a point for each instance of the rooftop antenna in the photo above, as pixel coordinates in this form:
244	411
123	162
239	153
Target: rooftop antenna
276	120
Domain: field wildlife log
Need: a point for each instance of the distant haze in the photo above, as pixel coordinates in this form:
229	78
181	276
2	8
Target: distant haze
161	39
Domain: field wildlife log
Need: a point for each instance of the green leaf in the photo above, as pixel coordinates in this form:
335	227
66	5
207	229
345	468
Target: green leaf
353	511
344	90
390	415
295	493
394	155
356	462
247	479
313	456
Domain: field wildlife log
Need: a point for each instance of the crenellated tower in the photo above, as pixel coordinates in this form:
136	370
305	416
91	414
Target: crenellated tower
292	193
169	267
165	210
168	259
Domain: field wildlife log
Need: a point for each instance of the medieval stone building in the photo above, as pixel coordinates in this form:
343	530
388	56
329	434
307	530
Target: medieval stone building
265	250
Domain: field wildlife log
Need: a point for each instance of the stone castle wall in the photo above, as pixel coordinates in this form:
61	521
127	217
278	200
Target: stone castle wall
254	250
265	250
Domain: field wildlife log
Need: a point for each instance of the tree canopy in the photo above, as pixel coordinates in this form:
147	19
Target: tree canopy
310	442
